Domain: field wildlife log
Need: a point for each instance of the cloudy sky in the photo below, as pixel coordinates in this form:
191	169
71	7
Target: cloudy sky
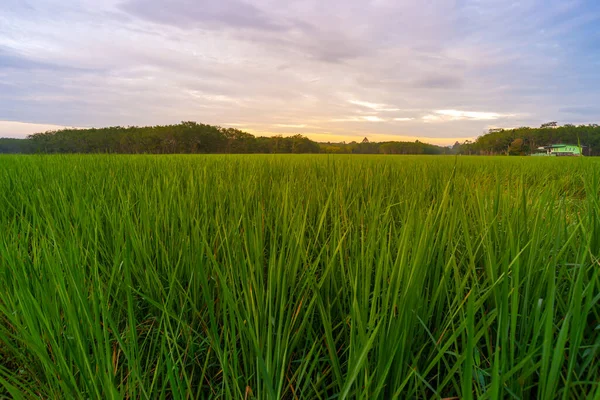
437	70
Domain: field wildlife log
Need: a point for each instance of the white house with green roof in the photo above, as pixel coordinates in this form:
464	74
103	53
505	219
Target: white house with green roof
559	150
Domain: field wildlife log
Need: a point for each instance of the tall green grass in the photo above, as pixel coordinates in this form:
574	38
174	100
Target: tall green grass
308	277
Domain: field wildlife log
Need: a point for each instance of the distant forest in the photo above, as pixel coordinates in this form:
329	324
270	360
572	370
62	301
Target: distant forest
191	137
524	141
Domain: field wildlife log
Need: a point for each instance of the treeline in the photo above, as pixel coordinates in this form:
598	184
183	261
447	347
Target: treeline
524	141
191	137
14	146
366	147
187	137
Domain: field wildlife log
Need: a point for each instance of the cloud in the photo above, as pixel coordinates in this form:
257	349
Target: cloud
348	67
10	60
456	115
366	118
290	125
211	14
373	106
15	129
372	118
249	22
213	98
581	110
13	61
439	82
330	46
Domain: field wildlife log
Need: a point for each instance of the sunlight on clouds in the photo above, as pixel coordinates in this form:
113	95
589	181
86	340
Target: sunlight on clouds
469	114
375	137
456	115
373	106
15	129
368	118
211	97
290	125
372	118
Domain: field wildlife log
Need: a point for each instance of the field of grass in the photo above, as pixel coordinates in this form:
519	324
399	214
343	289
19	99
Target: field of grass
312	277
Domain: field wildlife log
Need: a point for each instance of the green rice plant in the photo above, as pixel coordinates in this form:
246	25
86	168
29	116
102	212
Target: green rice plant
299	276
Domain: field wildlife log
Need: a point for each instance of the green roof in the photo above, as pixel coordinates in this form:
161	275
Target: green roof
560	145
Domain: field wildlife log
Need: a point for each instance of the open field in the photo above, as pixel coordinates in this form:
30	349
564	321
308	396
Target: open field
299	277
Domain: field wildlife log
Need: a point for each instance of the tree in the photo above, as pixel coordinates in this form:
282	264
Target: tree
516	147
532	138
552	124
186	137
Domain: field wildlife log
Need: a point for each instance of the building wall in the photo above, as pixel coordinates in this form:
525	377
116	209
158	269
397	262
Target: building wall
567	149
560	151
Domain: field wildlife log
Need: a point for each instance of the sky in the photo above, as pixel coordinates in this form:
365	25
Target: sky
333	70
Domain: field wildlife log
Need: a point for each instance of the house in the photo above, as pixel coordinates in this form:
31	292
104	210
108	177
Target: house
559	150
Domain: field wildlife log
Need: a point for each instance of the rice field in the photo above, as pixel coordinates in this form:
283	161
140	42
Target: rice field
299	277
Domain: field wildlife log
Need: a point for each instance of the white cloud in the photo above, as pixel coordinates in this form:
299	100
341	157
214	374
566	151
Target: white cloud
213	97
457	115
373	106
432	118
346	119
403	119
372	118
365	118
15	129
290	125
475	115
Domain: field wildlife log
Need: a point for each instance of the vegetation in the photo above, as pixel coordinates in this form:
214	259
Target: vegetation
310	276
414	148
187	137
191	137
524	141
14	146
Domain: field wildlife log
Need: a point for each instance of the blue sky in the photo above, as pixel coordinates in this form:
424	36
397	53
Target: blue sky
438	70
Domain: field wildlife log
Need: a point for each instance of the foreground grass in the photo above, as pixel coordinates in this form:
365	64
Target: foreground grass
299	277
